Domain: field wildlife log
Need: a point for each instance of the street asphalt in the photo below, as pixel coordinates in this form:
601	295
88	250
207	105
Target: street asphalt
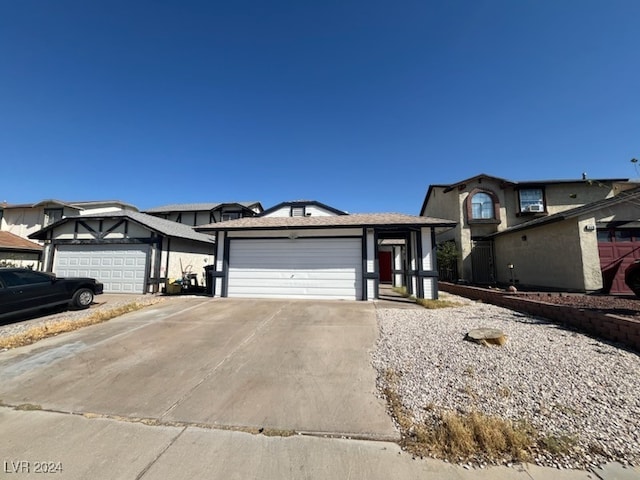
215	388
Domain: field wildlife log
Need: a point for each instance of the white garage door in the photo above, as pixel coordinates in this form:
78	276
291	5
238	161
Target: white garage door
329	268
121	268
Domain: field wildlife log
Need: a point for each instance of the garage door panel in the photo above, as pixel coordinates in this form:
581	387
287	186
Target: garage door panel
121	268
304	268
288	273
270	291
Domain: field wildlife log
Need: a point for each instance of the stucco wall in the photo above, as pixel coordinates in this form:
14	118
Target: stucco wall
313	210
548	257
188	256
22	221
591	270
566	196
448	206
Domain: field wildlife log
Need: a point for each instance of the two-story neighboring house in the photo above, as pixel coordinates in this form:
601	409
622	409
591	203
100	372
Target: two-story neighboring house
27	218
18	221
546	234
196	214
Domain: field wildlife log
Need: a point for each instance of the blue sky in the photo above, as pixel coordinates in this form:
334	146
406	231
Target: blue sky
358	104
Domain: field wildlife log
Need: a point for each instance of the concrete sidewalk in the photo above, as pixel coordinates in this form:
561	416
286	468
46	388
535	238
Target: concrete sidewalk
109	449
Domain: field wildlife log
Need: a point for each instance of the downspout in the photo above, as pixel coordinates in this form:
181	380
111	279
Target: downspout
166	267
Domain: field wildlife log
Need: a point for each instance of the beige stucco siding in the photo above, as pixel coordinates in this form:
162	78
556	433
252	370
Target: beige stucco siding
22	221
590	258
551	256
186	256
562	197
449	205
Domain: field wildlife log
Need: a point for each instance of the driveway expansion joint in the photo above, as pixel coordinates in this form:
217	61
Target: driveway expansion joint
211	372
157	457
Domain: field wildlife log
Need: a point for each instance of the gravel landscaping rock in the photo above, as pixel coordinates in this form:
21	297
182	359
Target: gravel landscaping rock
567	385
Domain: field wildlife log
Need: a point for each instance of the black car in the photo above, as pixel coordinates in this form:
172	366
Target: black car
23	290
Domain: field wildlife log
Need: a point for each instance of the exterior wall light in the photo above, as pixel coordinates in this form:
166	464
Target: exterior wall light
511	267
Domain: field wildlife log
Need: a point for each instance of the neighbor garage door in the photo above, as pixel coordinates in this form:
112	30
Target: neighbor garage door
618	248
121	268
328	268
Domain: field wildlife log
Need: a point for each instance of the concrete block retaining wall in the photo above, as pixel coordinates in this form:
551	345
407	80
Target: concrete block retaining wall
604	325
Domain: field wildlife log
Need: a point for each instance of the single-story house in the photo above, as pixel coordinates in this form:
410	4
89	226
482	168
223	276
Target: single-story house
19	252
128	251
306	249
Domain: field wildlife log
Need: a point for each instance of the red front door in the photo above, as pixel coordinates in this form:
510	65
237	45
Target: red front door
384	266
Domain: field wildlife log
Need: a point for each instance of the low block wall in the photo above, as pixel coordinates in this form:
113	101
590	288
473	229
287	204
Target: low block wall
604	325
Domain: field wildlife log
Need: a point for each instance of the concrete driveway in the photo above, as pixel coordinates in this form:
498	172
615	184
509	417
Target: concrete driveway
244	364
204	388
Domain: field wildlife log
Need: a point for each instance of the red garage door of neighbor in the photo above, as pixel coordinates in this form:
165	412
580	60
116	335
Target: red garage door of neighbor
618	248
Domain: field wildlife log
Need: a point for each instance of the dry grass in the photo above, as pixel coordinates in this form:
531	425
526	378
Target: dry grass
461	437
40	332
431	304
426	303
474	435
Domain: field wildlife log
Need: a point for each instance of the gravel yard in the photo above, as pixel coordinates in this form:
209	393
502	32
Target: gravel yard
567	385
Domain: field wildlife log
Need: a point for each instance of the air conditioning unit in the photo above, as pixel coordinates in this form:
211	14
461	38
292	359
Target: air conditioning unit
535	208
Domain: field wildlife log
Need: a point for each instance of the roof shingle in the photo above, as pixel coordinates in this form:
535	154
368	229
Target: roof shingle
354	220
10	241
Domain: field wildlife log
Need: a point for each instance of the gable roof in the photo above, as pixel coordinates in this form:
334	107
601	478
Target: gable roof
10	241
159	225
632	195
303	203
200	207
354	220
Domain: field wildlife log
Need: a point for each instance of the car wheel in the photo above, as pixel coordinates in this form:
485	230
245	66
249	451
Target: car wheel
83	298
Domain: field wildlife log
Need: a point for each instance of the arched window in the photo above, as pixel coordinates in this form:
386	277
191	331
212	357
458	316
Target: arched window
482	207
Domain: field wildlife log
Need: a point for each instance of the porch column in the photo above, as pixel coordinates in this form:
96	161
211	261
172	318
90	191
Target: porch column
219	270
412	254
371	273
428	273
397	266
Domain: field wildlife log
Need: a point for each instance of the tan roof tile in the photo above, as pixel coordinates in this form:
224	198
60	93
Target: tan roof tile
9	241
354	220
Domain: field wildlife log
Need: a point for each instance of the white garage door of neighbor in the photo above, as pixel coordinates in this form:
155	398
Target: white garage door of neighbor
329	268
121	268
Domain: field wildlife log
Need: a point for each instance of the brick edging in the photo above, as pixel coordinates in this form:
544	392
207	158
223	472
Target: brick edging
610	327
